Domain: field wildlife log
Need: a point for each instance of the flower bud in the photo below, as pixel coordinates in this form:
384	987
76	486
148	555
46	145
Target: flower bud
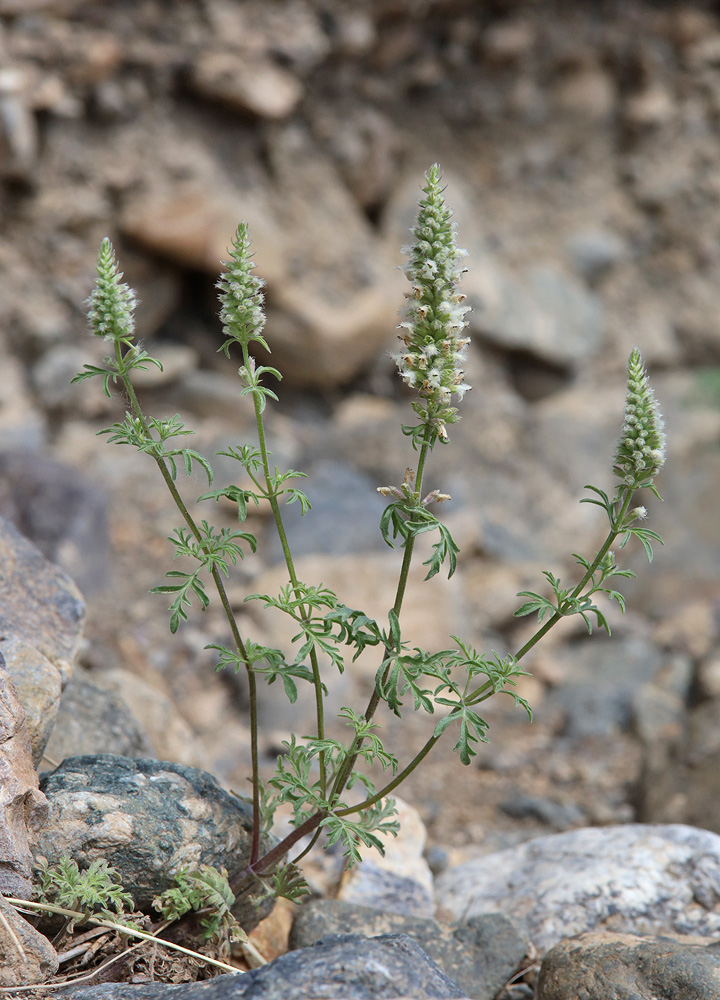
241	296
111	304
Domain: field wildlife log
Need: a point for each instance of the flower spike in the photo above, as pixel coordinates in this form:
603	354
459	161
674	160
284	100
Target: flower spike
641	449
111	304
241	295
433	347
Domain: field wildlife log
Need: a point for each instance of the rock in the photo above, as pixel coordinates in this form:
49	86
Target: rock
26	956
247	85
346	512
39	604
22	426
401	880
480	954
338	300
593	252
708	678
23	807
177	360
91	720
628	879
38	685
169	734
588	91
19	140
560	815
608	966
146	818
60	511
342	965
601	682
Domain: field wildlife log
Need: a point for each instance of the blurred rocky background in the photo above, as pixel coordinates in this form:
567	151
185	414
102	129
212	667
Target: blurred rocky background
581	148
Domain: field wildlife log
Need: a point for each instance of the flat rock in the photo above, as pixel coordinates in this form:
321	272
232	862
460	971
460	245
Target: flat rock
248	86
628	879
146	818
628	967
35	963
340	966
39	604
479	954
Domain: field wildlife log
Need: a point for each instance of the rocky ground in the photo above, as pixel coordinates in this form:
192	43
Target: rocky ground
579	146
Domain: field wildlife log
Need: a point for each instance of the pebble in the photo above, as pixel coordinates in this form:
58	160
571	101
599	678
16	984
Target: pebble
627	879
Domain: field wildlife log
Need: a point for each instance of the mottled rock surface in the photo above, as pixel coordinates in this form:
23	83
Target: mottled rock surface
39	603
22	806
629	967
629	879
26	956
38	685
341	966
146	818
479	954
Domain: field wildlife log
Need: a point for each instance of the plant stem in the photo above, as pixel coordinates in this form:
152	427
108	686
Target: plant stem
224	600
282	535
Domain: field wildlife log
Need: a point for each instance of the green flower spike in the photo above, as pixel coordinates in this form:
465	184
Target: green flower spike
241	296
641	449
112	303
433	348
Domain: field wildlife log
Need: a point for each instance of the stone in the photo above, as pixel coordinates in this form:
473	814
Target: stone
613	966
19	138
346	512
38	685
625	879
602	681
39	603
401	880
560	815
61	511
92	720
593	252
340	966
171	737
177	360
23	807
480	954
247	85
146	818
22	426
26	955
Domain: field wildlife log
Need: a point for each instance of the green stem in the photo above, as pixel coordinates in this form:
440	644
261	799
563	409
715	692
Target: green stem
224	600
348	764
282	535
602	552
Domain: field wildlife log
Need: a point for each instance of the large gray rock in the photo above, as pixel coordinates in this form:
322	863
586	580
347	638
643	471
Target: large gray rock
629	967
146	818
629	879
480	954
39	604
341	966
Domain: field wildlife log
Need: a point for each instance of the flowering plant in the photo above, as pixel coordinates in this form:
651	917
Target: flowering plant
315	771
